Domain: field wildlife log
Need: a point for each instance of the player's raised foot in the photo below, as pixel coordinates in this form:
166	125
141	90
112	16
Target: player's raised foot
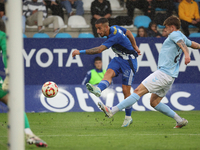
33	139
95	90
105	109
127	122
181	124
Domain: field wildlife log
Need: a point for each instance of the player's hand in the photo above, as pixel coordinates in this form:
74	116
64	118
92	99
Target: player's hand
194	22
34	11
75	52
187	60
198	20
138	51
5	83
53	3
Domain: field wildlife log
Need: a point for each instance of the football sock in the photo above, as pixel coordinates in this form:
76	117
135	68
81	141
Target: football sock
26	121
165	110
129	101
103	85
128	110
28	131
178	118
114	109
127	117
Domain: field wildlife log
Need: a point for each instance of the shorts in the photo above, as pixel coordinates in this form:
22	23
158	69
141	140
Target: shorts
158	83
2	92
128	69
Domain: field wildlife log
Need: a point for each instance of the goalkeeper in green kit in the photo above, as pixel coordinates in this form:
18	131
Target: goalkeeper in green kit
30	137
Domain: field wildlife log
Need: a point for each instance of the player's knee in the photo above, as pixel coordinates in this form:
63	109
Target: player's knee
136	90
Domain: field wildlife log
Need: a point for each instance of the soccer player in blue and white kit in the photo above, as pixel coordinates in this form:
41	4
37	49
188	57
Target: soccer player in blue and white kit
123	44
159	82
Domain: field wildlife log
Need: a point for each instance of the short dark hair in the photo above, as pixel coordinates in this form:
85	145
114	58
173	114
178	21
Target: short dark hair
152	23
102	20
97	58
173	20
2	26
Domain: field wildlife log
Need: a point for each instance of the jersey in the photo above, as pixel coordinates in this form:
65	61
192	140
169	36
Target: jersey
120	43
126	62
4	58
3	48
170	53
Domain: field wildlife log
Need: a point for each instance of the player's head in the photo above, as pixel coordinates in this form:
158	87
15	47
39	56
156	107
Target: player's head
98	63
2	26
164	32
172	23
102	26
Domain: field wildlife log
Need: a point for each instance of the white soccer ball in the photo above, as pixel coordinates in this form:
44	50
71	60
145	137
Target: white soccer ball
49	89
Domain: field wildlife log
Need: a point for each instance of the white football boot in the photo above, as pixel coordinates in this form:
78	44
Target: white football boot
181	124
105	109
95	90
127	122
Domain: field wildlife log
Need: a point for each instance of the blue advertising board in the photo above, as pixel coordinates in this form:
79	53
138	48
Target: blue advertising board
51	60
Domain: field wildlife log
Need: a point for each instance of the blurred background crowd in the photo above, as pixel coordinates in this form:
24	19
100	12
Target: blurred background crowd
76	18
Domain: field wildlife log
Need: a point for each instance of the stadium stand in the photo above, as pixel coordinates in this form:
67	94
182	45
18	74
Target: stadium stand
87	4
142	21
85	35
194	35
24	35
134	34
63	35
41	35
74	31
76	21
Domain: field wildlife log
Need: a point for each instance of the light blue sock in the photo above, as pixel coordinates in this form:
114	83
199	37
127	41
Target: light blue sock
103	84
165	110
128	110
129	101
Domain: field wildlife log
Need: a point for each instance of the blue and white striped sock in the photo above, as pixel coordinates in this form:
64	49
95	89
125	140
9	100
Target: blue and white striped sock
103	85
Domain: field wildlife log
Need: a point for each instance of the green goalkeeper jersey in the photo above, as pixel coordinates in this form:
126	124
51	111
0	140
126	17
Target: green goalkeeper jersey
3	47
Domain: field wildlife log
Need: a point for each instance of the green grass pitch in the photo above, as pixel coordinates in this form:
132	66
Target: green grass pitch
92	131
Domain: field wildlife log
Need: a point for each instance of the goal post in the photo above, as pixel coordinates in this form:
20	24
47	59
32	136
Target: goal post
16	74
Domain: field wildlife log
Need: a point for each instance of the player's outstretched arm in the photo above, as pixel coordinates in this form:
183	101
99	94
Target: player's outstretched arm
195	45
91	51
184	48
133	42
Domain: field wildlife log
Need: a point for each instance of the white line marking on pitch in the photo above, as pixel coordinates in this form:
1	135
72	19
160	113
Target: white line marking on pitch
116	135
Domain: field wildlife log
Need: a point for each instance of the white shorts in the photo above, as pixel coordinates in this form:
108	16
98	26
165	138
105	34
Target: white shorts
158	83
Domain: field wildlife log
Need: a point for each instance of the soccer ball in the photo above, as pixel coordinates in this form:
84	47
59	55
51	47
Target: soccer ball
49	89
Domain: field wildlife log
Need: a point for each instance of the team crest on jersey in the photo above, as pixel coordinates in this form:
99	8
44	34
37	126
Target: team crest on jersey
115	30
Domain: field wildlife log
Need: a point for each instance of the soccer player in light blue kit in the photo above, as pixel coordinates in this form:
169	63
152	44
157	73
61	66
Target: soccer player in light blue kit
159	82
123	44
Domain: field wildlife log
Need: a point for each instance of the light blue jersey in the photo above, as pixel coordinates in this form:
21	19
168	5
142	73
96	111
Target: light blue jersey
170	53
